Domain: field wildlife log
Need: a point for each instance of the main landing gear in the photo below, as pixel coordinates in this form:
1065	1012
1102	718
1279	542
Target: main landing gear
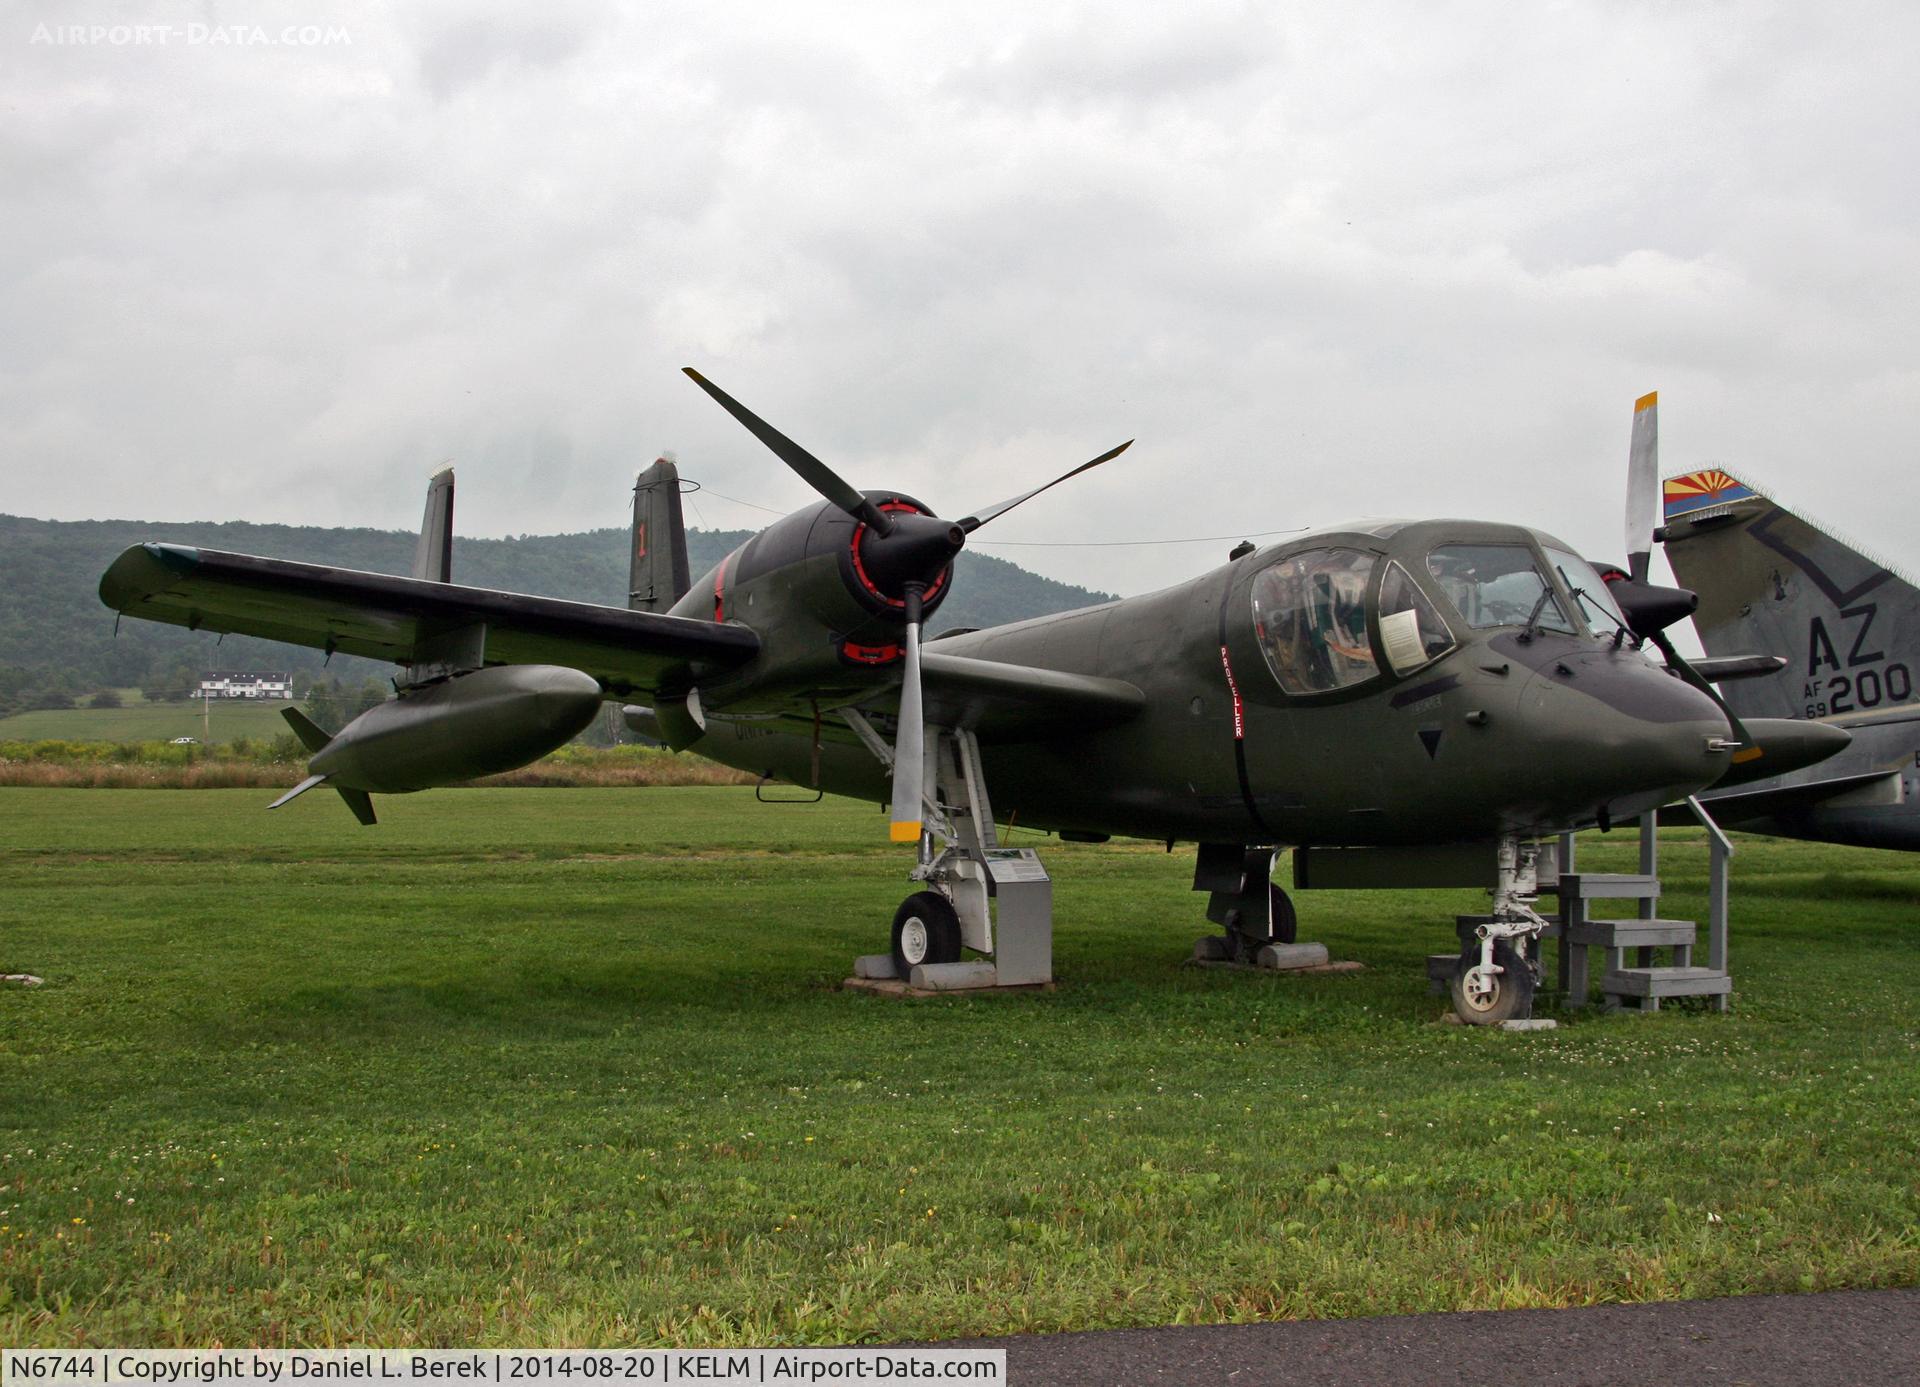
926	929
1250	908
976	895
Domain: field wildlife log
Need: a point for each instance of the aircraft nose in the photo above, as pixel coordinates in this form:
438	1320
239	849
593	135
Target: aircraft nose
1623	735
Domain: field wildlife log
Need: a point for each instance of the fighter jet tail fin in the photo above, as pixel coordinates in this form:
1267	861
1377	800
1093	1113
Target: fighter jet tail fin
1773	582
657	577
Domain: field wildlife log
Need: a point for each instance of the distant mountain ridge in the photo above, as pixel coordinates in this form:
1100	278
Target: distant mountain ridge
51	619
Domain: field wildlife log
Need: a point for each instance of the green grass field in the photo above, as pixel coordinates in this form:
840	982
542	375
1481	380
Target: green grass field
148	722
569	1067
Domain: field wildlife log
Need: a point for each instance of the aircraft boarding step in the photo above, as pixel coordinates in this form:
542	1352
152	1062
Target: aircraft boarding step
1651	984
1608	886
1634	934
1642	983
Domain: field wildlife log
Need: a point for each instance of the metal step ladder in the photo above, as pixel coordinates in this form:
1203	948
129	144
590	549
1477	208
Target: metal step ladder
1642	983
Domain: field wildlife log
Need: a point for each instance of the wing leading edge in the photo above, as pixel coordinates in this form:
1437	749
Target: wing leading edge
1004	702
403	620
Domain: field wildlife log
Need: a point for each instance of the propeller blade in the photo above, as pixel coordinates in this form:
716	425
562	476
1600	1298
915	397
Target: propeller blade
1643	485
812	471
1687	672
910	743
979	518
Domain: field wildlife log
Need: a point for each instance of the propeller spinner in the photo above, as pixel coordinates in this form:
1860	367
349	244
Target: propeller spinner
904	552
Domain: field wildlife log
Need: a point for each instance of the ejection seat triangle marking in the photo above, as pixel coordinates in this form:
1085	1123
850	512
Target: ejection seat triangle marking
1430	738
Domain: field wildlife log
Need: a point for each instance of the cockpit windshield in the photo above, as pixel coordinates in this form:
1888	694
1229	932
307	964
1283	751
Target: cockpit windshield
1589	591
1498	585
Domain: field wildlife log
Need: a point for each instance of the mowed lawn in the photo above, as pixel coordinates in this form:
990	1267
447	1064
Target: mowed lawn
149	722
550	1067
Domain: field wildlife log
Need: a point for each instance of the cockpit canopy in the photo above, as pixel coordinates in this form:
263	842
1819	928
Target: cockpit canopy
1335	617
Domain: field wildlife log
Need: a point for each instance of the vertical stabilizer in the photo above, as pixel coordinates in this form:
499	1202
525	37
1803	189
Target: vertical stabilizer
658	576
1772	582
433	555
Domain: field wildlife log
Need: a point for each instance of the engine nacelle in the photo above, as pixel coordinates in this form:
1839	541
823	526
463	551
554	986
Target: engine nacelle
826	595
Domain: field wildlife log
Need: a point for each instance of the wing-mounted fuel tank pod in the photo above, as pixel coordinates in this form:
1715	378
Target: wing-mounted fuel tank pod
480	723
454	720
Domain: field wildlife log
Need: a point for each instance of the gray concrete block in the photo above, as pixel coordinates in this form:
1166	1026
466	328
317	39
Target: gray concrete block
874	966
1286	957
953	977
1210	948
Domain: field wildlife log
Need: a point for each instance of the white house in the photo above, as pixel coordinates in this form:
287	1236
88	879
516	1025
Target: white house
236	684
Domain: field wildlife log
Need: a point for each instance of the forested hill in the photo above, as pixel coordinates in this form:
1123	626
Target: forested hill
53	626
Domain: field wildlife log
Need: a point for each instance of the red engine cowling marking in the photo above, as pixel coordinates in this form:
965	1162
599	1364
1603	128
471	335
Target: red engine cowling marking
866	582
856	654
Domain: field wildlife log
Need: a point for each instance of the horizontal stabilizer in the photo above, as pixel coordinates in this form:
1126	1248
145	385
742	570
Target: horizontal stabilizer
298	790
307	730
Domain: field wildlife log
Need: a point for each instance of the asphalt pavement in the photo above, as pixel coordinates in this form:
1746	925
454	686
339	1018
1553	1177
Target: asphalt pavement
1834	1339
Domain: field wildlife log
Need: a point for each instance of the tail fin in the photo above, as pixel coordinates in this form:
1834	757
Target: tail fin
433	555
361	803
315	740
1772	582
306	729
658	576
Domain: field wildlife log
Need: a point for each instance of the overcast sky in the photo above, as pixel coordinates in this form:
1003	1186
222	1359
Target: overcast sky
1320	259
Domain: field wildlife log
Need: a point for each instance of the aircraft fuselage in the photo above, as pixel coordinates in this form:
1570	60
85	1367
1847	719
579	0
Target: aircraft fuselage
1495	724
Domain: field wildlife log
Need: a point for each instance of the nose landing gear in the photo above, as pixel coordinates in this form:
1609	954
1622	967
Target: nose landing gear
1499	969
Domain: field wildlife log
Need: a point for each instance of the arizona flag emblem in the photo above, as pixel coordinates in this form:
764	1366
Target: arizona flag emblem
1700	489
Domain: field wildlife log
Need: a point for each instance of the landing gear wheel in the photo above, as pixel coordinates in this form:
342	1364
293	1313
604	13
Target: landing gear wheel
1286	921
1243	945
1489	999
925	930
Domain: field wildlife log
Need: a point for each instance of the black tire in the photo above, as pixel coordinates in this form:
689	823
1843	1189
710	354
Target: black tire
1285	920
1283	924
925	930
1512	994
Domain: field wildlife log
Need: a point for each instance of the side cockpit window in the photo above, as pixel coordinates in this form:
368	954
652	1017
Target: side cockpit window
1411	631
1310	612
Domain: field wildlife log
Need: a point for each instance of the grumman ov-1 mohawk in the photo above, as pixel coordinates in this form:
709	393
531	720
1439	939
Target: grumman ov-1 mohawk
1392	686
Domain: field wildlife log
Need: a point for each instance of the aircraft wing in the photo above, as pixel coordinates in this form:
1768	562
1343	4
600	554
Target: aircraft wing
385	617
1875	787
1010	703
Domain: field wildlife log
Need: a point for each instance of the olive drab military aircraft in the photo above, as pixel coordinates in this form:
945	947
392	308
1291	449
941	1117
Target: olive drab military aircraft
1378	686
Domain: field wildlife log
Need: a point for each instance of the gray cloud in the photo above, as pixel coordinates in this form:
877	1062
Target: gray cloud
1322	260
